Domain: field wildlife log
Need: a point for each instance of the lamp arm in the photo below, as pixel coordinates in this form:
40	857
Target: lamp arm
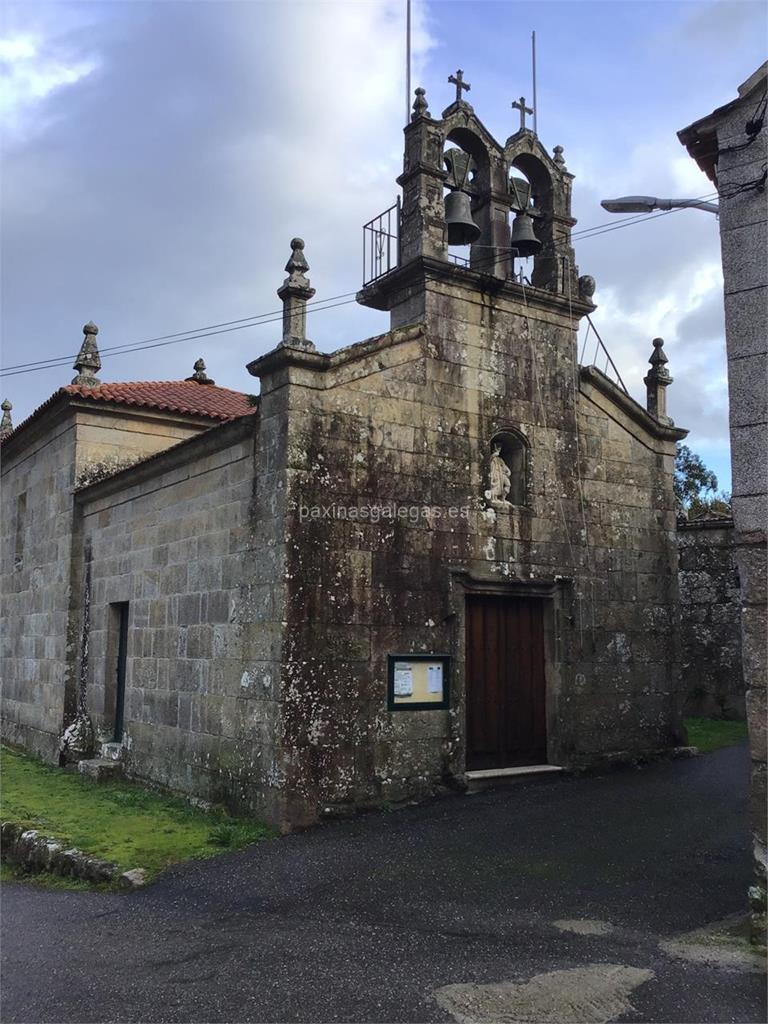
682	204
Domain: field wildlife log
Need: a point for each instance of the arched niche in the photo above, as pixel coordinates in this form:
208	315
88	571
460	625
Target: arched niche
509	469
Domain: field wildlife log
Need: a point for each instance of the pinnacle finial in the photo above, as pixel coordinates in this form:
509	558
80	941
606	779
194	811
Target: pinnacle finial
658	356
297	264
6	423
558	156
656	381
294	293
200	376
420	105
88	362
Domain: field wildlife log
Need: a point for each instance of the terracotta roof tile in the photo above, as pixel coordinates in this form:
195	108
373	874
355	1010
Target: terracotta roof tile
170	395
189	398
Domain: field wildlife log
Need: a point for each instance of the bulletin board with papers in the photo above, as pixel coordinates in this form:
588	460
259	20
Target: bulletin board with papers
417	681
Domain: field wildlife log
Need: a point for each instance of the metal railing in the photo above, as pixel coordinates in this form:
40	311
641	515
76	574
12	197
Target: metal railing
601	355
381	244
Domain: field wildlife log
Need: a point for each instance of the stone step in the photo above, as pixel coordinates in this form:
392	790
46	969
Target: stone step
100	769
112	751
491	777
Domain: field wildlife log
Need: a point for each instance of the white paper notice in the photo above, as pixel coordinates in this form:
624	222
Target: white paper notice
403	679
435	678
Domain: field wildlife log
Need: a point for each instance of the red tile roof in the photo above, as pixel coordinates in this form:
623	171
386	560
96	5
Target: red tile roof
182	396
207	401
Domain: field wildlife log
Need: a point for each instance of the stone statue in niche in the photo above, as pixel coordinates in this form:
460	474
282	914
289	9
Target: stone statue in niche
501	480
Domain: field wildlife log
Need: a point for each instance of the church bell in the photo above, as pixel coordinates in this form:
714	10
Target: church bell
523	239
462	230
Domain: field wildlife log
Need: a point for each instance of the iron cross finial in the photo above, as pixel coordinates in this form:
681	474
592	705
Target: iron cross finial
458	81
520	105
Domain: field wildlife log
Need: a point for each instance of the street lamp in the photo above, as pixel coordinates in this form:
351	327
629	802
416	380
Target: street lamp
647	204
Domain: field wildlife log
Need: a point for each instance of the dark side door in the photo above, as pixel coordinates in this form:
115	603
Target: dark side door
505	682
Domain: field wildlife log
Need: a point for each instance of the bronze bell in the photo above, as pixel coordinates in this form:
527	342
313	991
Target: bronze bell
462	230
523	238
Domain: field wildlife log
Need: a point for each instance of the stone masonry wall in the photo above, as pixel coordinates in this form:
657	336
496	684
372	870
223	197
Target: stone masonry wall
710	621
744	242
41	588
176	542
36	543
409	419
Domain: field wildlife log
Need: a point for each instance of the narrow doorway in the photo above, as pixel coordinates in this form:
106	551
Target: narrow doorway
117	657
505	682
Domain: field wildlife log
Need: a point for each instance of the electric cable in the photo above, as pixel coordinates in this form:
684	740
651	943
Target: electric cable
193	331
63	361
321	304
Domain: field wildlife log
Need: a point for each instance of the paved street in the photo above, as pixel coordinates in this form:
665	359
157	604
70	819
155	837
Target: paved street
366	920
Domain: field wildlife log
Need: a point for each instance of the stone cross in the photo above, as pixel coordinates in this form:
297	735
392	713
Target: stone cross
520	105
88	362
6	423
294	292
458	81
656	383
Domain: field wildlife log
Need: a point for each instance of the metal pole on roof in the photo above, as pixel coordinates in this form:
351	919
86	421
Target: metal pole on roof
535	102
407	61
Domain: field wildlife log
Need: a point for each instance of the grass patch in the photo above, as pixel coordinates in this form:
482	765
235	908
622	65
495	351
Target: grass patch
710	734
45	880
117	821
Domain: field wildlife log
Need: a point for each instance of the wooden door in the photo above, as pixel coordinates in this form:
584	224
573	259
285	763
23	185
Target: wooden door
505	683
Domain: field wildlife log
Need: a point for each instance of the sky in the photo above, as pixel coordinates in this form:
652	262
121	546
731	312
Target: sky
157	158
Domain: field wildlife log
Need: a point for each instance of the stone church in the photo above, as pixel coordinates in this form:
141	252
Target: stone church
443	551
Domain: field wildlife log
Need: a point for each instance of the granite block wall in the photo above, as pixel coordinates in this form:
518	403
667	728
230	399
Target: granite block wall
176	543
405	422
37	529
42	580
743	226
710	621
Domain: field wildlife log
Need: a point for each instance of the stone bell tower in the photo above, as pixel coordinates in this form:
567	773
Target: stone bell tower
515	191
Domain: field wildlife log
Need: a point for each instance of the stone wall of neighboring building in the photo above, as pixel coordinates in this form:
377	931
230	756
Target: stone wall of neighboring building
710	620
731	147
744	240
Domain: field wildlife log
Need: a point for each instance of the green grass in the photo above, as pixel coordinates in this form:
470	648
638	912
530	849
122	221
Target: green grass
710	734
45	880
118	821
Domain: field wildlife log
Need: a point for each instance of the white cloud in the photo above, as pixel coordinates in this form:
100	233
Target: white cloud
166	196
33	67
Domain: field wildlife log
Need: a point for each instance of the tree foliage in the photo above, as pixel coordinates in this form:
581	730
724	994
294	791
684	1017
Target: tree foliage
696	486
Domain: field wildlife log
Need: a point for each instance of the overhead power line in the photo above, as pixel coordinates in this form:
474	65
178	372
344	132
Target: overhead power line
172	340
55	361
227	326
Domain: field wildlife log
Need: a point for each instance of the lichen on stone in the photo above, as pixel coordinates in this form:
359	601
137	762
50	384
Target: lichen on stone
93	472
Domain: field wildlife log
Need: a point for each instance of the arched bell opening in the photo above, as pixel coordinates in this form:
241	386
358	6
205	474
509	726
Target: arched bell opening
530	187
459	190
467	187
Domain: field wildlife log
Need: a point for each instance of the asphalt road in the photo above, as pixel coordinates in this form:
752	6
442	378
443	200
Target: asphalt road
364	920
